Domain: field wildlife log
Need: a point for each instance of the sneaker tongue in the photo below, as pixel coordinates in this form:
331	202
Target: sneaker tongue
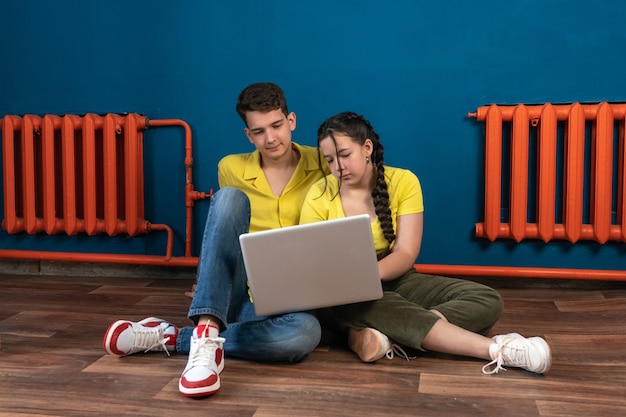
205	330
200	331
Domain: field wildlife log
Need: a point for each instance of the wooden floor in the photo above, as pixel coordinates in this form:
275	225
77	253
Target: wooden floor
52	362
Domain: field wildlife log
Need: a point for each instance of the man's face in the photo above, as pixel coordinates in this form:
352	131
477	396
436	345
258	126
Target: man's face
270	132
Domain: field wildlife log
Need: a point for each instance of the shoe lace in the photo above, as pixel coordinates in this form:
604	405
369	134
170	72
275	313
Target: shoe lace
512	353
151	338
498	362
395	349
203	350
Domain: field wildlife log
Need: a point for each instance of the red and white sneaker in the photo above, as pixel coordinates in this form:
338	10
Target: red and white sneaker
201	376
125	337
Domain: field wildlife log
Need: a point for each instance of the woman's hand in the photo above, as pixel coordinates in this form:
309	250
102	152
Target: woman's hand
405	250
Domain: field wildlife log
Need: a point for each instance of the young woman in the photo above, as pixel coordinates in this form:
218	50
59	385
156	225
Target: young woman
422	312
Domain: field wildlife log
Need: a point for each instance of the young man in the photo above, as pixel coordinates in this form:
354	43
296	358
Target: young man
260	190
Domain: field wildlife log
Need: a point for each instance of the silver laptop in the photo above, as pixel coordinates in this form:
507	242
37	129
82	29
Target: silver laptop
311	266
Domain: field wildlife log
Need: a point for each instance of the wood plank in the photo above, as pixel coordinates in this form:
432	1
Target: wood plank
513	386
577	409
587	305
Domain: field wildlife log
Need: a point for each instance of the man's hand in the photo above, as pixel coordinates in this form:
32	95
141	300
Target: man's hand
191	293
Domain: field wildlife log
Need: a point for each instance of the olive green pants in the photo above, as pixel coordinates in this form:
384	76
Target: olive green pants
403	312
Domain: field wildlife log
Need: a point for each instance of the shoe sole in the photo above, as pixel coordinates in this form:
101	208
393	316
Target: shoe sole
199	392
203	392
359	340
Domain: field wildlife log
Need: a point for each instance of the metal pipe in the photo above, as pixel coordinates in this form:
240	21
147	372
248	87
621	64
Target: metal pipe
521	272
109	258
190	194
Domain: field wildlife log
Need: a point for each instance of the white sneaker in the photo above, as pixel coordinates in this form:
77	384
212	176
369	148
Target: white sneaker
201	376
532	354
152	334
371	345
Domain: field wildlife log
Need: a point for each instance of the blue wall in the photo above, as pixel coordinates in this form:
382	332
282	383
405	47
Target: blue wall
414	68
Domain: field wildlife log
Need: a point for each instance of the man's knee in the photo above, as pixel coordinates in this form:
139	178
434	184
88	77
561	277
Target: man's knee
230	197
302	334
230	208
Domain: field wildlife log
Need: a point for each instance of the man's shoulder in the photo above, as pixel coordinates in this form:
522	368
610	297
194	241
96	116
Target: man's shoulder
235	157
235	160
311	158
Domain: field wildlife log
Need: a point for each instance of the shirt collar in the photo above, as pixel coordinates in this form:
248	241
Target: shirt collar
308	162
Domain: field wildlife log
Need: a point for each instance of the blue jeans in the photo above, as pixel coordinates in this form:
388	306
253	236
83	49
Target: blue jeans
222	291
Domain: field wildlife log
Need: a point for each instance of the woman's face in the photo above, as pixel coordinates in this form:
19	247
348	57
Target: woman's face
348	161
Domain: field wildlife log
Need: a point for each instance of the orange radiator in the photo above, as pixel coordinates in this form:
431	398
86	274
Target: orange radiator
575	152
552	172
82	174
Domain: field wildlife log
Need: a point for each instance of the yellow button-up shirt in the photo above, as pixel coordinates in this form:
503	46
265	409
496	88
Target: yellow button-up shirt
244	171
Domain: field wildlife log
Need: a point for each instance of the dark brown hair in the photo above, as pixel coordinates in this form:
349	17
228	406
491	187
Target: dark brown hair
359	129
263	97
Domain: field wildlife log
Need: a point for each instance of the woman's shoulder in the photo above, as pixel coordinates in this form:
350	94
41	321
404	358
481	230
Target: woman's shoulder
395	174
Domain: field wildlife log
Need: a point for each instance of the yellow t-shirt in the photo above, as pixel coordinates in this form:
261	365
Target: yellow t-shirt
244	171
405	197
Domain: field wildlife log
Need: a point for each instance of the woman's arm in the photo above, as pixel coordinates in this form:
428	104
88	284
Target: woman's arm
406	248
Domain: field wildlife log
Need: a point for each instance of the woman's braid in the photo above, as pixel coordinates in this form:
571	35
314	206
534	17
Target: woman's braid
380	193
